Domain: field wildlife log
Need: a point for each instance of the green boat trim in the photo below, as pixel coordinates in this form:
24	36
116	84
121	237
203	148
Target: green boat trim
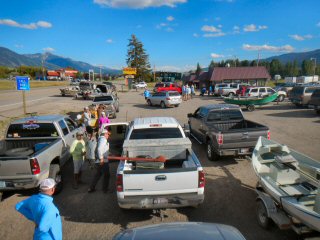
251	100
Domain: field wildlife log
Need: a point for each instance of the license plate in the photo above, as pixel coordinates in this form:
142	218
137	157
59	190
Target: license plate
244	150
2	184
160	201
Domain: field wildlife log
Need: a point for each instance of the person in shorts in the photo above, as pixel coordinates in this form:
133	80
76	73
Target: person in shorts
78	151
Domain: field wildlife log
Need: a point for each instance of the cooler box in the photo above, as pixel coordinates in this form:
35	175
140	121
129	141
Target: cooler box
39	146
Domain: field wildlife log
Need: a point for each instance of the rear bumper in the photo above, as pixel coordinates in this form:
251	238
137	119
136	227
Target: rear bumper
19	184
160	201
235	152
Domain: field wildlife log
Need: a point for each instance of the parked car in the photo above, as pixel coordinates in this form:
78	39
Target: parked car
107	99
113	87
265	91
167	86
140	85
232	90
181	230
224	130
301	95
165	99
315	101
218	86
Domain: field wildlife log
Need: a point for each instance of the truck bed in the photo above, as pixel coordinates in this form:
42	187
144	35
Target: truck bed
236	125
24	147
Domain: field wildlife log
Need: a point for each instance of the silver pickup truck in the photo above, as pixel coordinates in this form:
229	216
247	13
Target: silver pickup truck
33	149
178	182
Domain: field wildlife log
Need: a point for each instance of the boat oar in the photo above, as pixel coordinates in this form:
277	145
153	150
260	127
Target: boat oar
158	159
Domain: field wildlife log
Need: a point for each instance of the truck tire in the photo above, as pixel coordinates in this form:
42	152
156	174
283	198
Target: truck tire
211	154
55	173
262	215
149	102
24	151
251	108
231	94
163	105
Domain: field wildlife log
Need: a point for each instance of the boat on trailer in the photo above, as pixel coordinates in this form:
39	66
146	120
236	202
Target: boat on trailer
288	187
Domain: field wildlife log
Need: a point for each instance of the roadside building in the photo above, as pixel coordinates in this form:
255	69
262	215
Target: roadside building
307	79
62	73
53	75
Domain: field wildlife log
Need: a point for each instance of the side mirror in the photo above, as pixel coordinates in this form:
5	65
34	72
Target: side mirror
190	115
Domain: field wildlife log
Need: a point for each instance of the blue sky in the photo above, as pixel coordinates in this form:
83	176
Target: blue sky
177	34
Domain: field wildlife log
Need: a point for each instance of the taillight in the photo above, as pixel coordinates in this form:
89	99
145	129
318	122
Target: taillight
201	181
269	135
119	183
248	94
35	167
168	98
220	138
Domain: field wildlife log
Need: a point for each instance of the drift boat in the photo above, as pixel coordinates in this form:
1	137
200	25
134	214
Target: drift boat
291	179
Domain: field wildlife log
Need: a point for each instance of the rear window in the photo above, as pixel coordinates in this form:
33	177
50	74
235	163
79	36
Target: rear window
159	85
316	93
310	89
156	133
224	115
172	94
102	99
297	90
25	130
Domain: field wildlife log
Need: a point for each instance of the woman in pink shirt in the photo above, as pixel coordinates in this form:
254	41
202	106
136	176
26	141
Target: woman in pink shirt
103	121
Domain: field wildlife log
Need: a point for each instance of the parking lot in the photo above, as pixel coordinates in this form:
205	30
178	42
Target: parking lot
230	182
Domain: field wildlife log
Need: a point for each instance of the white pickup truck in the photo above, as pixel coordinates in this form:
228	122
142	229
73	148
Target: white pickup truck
33	149
178	182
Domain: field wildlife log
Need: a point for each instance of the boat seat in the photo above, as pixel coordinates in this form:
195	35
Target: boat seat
283	175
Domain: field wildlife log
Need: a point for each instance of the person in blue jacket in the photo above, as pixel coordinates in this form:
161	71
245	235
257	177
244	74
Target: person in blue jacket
41	210
146	93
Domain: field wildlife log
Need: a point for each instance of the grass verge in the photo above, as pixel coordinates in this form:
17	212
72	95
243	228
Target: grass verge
11	85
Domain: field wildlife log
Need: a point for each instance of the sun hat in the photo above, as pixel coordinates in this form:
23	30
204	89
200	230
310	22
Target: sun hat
47	184
79	133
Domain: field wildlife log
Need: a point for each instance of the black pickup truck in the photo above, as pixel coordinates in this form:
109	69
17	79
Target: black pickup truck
224	130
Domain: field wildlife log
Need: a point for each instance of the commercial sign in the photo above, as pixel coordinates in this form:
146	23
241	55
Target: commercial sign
129	71
23	83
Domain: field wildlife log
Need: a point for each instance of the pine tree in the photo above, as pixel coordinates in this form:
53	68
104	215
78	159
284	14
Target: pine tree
137	58
199	70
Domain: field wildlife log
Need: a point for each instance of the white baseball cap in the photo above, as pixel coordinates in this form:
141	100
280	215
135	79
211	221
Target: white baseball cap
103	113
47	184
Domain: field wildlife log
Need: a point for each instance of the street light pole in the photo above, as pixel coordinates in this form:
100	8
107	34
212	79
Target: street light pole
314	67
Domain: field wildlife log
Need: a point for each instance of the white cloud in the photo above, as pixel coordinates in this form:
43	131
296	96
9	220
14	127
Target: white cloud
169	29
318	24
218	18
215	55
236	29
219	26
32	26
48	49
170	18
301	38
207	28
109	40
138	4
44	24
227	1
285	48
219	34
254	28
18	45
196	35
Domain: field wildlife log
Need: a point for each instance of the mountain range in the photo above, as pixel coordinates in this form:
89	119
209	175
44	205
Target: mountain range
10	58
50	61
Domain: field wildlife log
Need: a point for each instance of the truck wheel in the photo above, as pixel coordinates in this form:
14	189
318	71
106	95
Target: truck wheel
250	108
162	105
149	102
231	94
55	173
118	109
211	154
280	98
262	215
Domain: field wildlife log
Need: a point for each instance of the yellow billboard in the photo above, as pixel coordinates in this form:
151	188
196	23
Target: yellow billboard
129	71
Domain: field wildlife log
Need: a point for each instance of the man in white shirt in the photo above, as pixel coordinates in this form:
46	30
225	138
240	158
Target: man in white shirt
102	163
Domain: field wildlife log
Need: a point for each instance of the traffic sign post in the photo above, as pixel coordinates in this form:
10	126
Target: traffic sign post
23	85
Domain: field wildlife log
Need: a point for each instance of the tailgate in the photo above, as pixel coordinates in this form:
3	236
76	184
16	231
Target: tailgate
14	166
242	138
158	181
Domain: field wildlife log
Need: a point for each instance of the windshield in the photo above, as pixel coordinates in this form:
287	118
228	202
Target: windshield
230	114
173	94
103	99
25	130
156	133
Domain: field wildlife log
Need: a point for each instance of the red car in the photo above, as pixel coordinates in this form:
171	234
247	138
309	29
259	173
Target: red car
161	87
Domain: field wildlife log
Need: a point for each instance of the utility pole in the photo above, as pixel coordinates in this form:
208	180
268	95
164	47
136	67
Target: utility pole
314	67
154	72
258	59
